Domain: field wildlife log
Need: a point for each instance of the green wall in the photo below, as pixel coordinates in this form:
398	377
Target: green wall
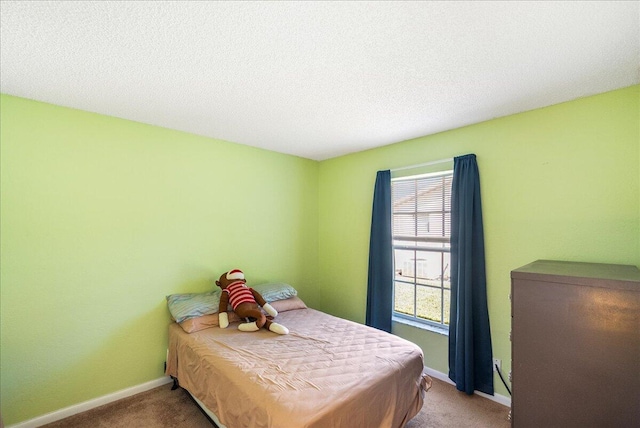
103	217
561	182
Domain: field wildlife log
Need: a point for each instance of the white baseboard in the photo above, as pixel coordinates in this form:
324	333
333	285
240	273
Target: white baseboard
501	399
90	404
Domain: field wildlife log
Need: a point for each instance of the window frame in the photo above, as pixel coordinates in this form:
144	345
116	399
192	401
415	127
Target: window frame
413	243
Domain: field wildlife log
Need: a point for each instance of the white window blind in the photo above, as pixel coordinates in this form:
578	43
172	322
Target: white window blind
421	240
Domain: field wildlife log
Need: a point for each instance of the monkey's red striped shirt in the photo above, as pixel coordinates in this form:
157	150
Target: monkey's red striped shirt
239	293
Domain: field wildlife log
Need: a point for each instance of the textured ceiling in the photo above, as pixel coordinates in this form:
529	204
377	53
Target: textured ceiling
315	79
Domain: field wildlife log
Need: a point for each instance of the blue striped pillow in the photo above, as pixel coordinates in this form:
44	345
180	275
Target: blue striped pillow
191	305
275	291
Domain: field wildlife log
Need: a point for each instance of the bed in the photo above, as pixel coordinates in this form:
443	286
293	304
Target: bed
327	372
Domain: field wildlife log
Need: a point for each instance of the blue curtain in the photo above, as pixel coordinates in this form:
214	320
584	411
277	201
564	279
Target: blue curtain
380	282
470	354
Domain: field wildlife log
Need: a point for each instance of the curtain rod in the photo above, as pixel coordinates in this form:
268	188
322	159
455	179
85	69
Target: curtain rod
423	164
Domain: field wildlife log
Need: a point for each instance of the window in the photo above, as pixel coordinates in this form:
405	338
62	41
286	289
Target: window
421	248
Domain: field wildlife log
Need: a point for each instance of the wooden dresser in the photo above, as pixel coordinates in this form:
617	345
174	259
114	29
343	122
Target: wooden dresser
575	345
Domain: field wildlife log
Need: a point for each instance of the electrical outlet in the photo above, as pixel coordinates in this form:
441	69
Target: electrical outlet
497	362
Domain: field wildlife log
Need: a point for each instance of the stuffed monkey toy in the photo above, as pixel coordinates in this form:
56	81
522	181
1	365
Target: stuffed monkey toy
244	301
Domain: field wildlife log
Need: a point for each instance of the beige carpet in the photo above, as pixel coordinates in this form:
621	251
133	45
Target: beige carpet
444	406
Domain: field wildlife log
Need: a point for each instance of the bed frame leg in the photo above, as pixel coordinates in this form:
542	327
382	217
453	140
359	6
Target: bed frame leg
175	383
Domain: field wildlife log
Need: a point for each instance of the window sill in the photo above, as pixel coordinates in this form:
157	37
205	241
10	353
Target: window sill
432	328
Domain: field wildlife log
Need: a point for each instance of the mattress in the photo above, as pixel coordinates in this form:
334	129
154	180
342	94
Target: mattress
327	372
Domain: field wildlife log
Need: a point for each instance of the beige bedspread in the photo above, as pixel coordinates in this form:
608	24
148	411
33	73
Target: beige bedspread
328	372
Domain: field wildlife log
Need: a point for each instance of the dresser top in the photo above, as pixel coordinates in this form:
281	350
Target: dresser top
593	274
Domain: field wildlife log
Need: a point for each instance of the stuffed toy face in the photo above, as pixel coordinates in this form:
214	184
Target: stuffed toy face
228	278
246	303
